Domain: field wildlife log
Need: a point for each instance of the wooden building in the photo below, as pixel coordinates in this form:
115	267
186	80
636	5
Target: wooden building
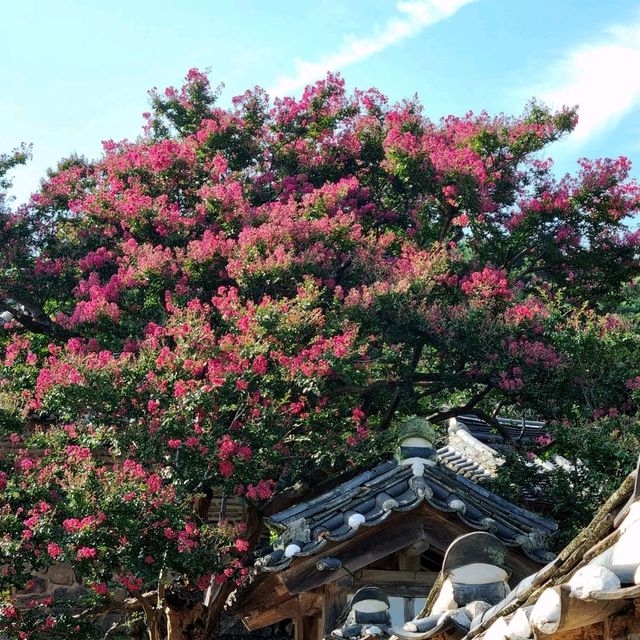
591	591
387	530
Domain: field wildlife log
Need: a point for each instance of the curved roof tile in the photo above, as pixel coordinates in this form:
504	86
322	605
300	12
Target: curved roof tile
369	499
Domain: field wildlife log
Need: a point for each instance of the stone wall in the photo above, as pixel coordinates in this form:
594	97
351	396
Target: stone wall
59	584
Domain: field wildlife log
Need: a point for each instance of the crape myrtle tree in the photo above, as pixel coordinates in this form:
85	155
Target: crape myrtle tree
251	299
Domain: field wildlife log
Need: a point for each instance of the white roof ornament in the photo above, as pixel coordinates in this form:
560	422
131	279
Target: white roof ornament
355	520
291	550
474	568
415	445
368	616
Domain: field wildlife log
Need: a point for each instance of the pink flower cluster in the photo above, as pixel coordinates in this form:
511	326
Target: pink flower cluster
488	284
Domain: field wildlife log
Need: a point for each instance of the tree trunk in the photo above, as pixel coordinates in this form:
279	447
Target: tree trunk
186	623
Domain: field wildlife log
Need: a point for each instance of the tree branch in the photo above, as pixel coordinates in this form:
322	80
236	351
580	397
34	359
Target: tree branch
496	424
38	324
460	410
149	613
388	417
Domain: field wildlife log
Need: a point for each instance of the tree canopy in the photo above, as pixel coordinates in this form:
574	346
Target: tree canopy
251	297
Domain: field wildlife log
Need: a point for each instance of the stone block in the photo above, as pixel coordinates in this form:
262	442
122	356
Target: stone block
119	594
36	585
69	594
61	574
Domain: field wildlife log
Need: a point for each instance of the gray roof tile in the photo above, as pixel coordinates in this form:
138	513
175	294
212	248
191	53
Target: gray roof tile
372	496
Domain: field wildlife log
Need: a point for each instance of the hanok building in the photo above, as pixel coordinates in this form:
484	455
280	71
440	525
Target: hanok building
590	591
372	548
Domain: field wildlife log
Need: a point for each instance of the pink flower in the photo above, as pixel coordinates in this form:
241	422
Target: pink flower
227	447
78	453
180	389
245	453
461	221
450	191
71	525
154	483
54	550
49	622
226	469
100	588
130	582
544	440
204	581
86	553
9	611
262	491
259	366
633	383
486	284
26	464
174	443
241	545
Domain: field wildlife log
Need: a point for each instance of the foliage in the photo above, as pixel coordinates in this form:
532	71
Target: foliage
9	161
248	297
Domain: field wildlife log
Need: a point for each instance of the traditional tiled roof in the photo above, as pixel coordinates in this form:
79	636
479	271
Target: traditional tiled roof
467	455
371	497
596	576
518	430
475	450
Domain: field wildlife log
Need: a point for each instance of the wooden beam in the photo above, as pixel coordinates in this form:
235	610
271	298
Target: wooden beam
267	617
409	608
268	592
383	578
312	625
408	561
399	584
419	547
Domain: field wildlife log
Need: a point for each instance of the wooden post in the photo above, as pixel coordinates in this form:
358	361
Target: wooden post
333	604
409	562
312	627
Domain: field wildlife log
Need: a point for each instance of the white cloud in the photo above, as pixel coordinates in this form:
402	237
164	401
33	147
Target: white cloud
413	16
602	78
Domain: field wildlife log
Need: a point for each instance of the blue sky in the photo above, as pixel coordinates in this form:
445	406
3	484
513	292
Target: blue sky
76	72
